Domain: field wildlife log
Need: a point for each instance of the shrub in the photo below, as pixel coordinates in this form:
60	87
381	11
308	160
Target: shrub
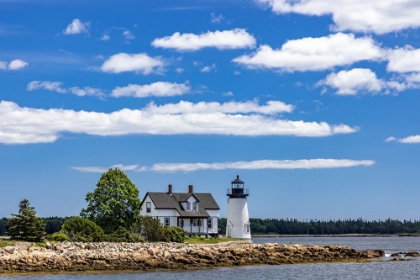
59	237
83	230
148	227
173	234
122	235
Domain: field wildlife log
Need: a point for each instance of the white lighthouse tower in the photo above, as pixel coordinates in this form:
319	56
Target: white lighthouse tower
238	225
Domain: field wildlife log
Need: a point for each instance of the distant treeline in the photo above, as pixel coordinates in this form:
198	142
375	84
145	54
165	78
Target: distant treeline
288	226
360	226
52	224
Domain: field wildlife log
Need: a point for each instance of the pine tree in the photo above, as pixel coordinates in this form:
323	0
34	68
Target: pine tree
26	225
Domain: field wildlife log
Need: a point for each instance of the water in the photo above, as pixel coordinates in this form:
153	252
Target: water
375	270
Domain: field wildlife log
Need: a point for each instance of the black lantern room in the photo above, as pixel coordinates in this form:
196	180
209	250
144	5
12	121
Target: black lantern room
237	189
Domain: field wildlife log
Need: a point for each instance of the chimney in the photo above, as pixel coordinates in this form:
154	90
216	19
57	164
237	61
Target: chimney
170	189
190	189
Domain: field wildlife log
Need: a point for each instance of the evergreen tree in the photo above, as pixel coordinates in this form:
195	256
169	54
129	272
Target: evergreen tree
26	225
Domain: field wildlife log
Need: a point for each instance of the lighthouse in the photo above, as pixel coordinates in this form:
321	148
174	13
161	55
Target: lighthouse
238	225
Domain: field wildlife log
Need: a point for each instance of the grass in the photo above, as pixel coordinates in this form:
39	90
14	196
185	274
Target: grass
5	243
202	240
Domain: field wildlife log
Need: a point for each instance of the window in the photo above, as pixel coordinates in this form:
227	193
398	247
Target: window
247	228
188	205
209	222
194	222
195	206
148	207
181	223
167	222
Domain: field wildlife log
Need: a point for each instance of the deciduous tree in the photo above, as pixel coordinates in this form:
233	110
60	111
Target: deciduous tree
115	202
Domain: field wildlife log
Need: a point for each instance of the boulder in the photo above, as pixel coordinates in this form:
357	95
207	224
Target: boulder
9	249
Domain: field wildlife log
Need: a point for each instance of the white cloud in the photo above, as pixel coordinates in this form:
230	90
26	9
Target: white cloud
57	87
105	37
390	139
314	54
414	139
140	63
13	65
17	64
378	16
155	89
215	18
51	86
185	107
354	81
209	68
179	70
98	169
22	125
243	165
128	35
77	27
228	93
222	40
404	60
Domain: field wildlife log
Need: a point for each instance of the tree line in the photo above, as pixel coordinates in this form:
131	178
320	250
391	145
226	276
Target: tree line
112	214
350	226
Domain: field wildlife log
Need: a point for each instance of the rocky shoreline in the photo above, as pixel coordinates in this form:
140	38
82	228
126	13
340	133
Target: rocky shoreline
62	257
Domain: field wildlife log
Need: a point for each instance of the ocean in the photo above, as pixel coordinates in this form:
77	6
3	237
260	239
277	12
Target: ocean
372	270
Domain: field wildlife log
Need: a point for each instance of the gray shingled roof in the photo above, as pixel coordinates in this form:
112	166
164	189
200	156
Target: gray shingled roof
163	200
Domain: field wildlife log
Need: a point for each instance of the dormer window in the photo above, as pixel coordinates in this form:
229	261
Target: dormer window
148	207
188	204
195	206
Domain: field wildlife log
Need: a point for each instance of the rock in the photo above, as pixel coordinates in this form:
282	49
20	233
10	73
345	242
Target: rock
48	245
395	255
9	249
412	254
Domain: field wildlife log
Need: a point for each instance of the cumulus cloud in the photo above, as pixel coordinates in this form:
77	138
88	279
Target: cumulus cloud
378	16
222	40
77	27
13	65
354	81
22	125
17	64
158	89
404	60
140	63
314	54
390	139
414	139
57	87
247	165
98	169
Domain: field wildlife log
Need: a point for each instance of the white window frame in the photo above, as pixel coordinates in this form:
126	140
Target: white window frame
247	228
210	223
195	206
188	206
148	207
167	222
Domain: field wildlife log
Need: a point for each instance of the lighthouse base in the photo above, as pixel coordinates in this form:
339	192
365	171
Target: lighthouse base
238	225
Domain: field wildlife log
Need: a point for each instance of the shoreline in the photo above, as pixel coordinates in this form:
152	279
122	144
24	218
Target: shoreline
335	235
75	257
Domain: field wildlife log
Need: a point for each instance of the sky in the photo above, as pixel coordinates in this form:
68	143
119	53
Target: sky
313	103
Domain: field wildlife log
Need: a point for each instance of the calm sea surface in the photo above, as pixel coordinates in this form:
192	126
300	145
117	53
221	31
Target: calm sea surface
376	270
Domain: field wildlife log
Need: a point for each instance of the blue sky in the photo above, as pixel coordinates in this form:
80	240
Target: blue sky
314	104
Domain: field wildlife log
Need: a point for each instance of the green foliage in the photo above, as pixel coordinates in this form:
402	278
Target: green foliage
115	202
173	234
26	225
82	229
148	227
3	226
53	224
122	235
59	237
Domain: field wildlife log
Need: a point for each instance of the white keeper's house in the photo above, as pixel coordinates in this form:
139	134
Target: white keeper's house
197	213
